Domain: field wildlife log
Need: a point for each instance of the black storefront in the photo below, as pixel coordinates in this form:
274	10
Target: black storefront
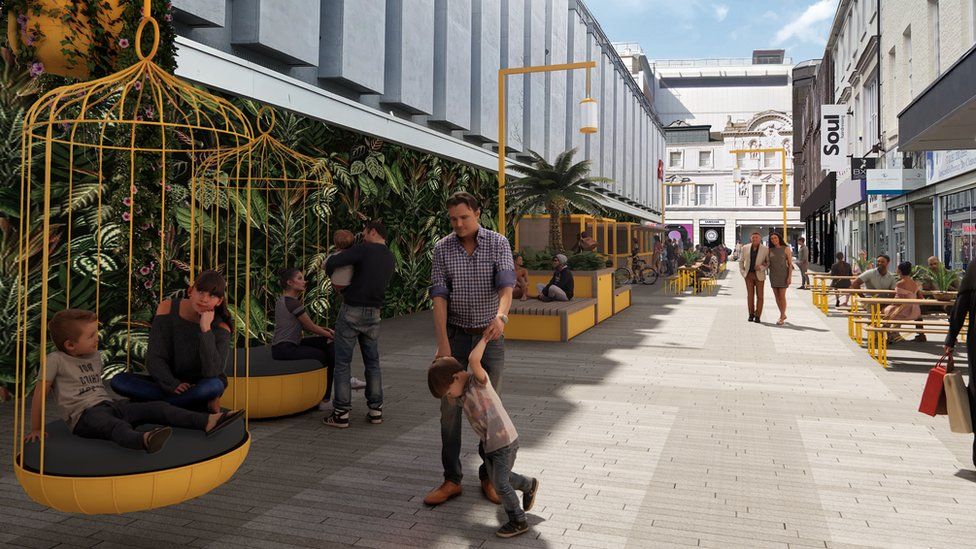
817	212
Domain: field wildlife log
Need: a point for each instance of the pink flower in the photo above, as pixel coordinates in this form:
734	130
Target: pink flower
127	201
144	271
36	69
168	17
126	216
145	227
138	85
148	284
150	113
133	190
123	43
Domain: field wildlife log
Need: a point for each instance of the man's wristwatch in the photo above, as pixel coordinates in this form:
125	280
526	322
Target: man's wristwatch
504	318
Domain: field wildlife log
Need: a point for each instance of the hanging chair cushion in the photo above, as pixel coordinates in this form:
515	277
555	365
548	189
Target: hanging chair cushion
68	455
263	365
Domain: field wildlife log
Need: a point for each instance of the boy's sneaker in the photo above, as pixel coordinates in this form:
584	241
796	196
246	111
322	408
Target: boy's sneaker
512	529
375	416
339	420
528	497
357	383
326	406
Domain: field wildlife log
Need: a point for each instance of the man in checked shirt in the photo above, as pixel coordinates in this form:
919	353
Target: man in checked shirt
471	285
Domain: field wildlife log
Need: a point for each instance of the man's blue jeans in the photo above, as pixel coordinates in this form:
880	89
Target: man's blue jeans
143	388
357	324
493	362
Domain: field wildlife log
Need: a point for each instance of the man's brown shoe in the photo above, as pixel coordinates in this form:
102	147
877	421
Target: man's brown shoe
443	493
489	491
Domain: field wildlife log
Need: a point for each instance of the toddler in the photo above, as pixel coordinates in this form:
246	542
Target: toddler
341	277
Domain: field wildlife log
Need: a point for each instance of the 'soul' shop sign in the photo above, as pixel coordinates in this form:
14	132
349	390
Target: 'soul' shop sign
833	137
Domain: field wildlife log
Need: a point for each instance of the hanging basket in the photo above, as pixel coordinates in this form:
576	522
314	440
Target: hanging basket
53	31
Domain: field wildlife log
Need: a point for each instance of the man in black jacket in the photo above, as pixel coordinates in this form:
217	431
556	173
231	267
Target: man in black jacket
560	287
359	320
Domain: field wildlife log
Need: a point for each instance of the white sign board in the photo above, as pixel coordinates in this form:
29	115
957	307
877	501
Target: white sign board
942	165
895	180
833	138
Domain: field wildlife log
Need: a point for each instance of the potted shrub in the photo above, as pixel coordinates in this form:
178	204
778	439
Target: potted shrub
943	280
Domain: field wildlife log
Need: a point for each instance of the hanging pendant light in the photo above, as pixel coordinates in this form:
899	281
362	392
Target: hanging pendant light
588	115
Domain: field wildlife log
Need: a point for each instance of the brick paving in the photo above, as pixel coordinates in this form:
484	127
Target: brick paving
674	424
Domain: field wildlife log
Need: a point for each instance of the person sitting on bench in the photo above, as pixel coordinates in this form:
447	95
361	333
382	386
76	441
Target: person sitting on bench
560	287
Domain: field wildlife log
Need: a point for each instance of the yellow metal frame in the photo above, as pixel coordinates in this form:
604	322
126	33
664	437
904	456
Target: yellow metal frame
86	114
503	74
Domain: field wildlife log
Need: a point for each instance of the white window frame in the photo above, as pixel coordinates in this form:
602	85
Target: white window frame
769	160
711	195
740	160
776	199
708	162
760	195
681	158
676	195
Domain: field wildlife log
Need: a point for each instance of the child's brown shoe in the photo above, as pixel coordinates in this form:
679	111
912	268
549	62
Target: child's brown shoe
443	493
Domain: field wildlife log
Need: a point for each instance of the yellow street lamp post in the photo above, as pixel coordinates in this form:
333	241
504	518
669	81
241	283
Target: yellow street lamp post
588	118
783	193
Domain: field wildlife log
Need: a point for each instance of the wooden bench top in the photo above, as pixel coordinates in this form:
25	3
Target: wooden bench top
907	329
900	301
552	308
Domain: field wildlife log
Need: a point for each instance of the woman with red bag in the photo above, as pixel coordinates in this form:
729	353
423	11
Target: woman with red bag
964	308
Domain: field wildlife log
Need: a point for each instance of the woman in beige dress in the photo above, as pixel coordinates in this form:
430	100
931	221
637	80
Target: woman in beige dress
780	272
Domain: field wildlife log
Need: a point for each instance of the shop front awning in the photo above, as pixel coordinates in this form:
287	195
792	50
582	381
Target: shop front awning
943	116
820	197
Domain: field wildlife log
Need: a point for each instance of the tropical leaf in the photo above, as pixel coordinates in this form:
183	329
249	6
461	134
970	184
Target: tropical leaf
357	167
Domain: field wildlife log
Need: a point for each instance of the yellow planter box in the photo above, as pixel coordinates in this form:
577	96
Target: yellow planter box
553	321
621	299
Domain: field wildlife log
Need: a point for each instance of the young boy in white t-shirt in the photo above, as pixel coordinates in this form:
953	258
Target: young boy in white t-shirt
74	371
499	440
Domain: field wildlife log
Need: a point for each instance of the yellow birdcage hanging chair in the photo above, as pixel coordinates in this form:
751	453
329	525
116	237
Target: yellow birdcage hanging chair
291	193
104	207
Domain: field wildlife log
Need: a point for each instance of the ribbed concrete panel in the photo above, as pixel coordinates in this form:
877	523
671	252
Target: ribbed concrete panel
608	121
557	29
452	63
486	17
272	28
628	141
577	85
534	113
409	55
352	51
513	50
635	172
201	13
619	131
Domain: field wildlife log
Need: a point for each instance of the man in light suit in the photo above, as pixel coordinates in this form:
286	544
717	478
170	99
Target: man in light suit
753	261
803	262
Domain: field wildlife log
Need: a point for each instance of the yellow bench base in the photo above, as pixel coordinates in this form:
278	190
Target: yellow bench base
621	299
276	396
550	321
130	493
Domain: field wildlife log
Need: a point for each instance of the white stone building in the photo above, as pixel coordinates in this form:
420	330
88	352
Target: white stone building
711	107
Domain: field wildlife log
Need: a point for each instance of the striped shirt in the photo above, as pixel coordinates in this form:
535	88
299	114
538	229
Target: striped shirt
470	283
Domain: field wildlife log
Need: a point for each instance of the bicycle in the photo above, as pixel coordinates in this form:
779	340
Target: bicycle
641	273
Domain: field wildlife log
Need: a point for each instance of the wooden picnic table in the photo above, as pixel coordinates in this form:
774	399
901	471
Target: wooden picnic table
877	341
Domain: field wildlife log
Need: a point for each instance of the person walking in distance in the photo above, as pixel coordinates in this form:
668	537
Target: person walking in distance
471	286
803	262
753	261
359	320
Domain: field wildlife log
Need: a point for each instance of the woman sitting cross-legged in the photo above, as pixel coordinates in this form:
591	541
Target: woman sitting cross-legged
188	346
291	321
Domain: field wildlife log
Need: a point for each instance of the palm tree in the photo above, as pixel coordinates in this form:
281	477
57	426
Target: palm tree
555	188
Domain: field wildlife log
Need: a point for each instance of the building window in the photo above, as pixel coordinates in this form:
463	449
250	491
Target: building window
769	160
704	195
704	159
757	195
934	38
870	109
674	159
676	195
740	160
772	195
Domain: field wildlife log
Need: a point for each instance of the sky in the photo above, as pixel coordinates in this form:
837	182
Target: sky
682	29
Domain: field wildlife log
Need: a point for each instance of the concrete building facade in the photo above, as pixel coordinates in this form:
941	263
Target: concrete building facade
712	107
360	64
